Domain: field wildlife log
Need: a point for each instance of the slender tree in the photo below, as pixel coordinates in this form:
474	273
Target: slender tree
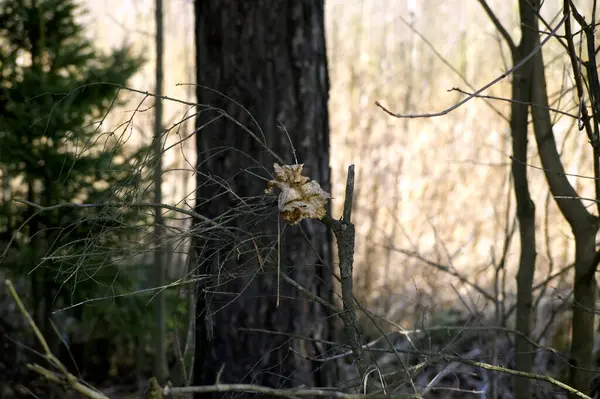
160	344
263	66
531	81
521	97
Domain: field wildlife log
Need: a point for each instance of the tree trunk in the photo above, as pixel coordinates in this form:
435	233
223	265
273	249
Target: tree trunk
160	369
521	97
270	58
521	91
583	224
584	300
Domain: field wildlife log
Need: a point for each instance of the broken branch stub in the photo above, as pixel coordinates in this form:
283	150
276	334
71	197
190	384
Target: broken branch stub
300	198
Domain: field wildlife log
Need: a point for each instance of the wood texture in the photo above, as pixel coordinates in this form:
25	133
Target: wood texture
270	58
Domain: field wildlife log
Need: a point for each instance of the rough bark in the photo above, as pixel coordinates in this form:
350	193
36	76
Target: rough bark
270	58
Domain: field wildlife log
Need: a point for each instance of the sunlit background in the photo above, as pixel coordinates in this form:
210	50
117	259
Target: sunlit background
432	193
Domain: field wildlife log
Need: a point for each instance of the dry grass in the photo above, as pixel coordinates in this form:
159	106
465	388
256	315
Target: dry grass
433	199
439	188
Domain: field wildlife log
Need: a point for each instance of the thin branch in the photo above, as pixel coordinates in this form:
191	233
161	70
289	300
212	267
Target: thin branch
532	376
349	195
286	393
551	171
594	85
576	69
70	380
41	209
345	233
295	393
64	377
529	103
312	296
478	92
499	27
445	269
447	63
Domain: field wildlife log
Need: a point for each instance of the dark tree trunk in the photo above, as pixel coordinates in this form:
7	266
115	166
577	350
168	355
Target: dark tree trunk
270	58
521	95
584	225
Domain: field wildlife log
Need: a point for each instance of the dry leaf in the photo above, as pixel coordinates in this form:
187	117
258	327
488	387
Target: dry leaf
300	197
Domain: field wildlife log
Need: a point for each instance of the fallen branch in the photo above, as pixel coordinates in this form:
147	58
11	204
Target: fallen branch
63	377
287	393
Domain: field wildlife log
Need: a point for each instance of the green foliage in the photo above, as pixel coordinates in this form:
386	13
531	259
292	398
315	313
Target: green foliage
55	91
53	84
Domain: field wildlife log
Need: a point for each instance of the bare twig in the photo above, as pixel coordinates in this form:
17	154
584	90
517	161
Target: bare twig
529	103
345	235
498	25
64	377
40	209
286	393
481	90
447	269
446	62
295	393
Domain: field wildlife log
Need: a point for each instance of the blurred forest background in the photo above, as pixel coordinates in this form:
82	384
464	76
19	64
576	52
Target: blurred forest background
437	232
